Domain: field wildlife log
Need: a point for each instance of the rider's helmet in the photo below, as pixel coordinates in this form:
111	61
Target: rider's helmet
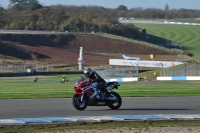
87	72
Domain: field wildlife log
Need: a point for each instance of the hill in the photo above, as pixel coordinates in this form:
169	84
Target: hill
64	49
186	36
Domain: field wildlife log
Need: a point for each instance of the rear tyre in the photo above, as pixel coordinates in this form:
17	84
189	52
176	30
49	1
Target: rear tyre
77	103
115	104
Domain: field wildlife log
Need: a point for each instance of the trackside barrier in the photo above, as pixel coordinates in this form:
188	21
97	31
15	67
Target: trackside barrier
181	23
179	78
159	117
122	79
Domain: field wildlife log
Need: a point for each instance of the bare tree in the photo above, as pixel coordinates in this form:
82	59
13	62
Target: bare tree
166	8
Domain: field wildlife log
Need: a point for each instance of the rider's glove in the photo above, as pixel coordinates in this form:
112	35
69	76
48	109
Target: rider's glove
86	81
91	80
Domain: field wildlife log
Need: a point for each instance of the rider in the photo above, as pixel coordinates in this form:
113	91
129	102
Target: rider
93	76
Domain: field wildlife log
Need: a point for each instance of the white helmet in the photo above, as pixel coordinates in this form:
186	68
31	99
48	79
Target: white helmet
87	72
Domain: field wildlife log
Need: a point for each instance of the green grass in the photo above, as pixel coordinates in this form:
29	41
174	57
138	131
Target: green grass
187	36
189	20
136	41
25	88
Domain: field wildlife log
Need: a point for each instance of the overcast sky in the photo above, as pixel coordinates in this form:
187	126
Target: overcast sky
177	4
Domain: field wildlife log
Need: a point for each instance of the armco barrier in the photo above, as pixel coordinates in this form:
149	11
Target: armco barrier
181	23
179	78
122	79
38	73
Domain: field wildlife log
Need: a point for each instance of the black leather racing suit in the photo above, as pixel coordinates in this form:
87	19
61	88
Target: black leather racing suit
96	78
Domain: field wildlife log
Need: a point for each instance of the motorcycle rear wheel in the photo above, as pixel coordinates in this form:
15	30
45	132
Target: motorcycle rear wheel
77	103
115	104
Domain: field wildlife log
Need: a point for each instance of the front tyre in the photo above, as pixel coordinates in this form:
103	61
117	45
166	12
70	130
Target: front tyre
115	104
77	103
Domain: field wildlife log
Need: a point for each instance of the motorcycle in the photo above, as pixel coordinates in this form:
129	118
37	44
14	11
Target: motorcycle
64	79
88	95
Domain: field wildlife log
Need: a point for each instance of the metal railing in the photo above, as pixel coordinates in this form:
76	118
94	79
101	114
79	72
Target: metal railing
181	70
25	68
118	72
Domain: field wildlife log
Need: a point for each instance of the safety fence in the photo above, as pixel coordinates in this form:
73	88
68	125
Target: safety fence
118	71
25	68
185	69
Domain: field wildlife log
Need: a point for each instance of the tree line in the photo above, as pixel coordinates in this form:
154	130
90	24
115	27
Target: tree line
31	15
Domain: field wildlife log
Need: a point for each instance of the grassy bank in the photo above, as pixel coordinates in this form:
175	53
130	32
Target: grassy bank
50	87
185	35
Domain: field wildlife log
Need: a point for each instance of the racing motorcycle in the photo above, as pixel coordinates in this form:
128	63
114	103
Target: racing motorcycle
64	79
88	95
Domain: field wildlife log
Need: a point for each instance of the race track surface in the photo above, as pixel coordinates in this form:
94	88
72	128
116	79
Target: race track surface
36	108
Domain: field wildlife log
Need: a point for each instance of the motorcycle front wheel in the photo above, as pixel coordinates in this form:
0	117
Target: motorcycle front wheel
115	104
77	103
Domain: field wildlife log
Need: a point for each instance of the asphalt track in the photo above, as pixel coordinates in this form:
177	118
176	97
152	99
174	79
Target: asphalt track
62	107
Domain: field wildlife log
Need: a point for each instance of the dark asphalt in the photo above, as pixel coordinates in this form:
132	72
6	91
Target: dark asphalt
34	108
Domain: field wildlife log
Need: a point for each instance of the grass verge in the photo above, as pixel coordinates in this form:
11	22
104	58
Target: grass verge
50	87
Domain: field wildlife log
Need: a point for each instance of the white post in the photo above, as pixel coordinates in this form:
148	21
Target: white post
81	59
